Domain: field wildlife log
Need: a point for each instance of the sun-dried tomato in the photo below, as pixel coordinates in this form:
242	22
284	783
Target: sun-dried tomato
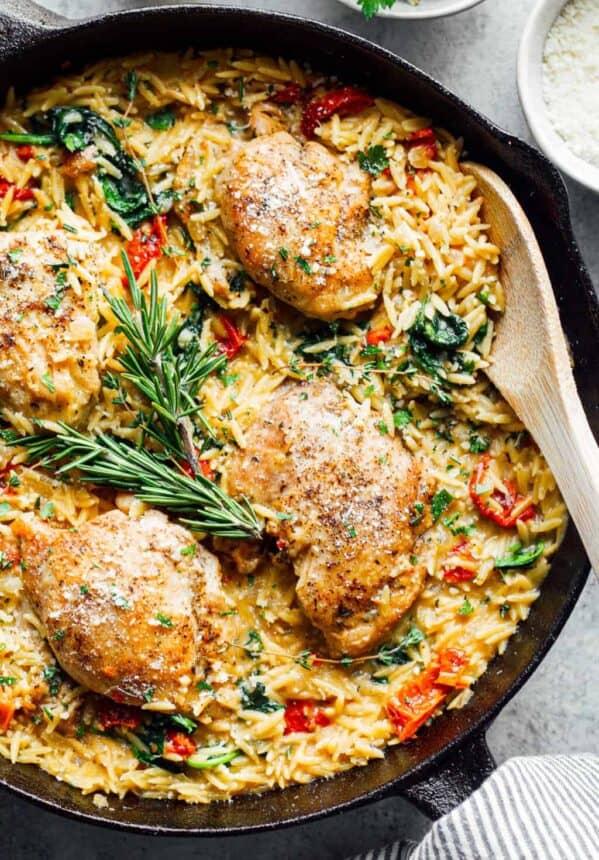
25	152
304	715
233	340
146	245
178	743
18	193
112	714
292	94
345	101
417	701
507	501
378	335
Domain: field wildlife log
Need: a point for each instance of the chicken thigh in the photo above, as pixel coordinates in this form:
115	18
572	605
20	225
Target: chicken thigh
296	216
129	609
350	505
48	341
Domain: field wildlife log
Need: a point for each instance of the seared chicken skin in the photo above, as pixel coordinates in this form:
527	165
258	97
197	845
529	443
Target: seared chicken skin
48	315
296	216
351	503
127	612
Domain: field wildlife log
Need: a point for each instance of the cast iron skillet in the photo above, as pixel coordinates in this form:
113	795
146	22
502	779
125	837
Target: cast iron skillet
447	761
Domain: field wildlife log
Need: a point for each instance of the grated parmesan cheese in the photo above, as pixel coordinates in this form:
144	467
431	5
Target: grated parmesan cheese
571	77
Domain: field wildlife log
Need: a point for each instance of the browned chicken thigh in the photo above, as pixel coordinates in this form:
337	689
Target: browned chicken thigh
48	316
129	609
297	218
351	503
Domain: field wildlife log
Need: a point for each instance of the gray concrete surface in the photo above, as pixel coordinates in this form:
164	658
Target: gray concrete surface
474	54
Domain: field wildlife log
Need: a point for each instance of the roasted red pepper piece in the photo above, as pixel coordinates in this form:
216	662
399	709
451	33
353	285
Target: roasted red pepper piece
232	342
146	245
507	501
424	137
378	335
412	706
292	94
178	743
25	152
344	101
7	710
205	468
18	193
304	715
459	573
112	714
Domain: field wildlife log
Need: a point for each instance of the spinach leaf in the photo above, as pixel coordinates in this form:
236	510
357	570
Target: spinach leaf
78	128
449	331
257	700
520	556
162	120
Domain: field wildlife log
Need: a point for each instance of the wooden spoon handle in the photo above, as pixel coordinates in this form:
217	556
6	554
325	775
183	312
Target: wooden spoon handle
563	434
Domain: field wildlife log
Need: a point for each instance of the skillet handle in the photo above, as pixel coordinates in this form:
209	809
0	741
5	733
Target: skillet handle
460	773
21	21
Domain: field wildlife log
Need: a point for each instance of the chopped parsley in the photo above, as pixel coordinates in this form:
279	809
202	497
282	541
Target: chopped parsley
7	680
15	255
374	160
284	253
479	443
466	608
52	677
164	620
303	264
120	600
189	550
440	502
418	513
402	418
204	687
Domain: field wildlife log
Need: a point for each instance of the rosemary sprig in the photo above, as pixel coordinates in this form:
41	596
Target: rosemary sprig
102	459
170	381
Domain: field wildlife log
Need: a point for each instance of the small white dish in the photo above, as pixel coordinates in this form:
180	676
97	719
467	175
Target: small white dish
530	88
424	9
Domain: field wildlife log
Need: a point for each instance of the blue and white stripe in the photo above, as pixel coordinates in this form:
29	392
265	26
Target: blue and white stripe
538	808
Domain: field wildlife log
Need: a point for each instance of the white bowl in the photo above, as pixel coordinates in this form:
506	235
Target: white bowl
425	9
530	87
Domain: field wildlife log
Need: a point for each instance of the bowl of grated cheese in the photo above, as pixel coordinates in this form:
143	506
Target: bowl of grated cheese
558	82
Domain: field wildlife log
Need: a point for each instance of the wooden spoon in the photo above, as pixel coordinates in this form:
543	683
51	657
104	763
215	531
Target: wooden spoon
531	364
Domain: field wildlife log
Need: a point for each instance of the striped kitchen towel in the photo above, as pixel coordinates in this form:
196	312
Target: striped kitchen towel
538	808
